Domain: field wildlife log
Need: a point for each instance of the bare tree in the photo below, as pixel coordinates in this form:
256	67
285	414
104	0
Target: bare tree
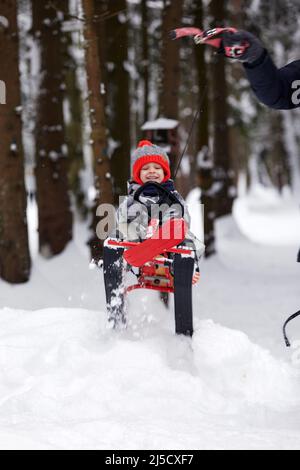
14	250
172	14
169	85
145	58
102	169
55	217
118	116
74	125
223	173
203	157
277	162
238	89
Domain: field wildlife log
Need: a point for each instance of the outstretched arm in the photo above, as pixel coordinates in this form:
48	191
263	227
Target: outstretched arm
276	88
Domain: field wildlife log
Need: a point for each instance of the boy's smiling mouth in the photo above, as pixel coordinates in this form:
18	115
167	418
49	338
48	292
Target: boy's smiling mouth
152	177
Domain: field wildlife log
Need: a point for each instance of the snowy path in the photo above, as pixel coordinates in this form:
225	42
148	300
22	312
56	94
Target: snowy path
67	382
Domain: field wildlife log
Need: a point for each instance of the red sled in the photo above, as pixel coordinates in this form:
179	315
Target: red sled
172	271
170	234
161	262
154	257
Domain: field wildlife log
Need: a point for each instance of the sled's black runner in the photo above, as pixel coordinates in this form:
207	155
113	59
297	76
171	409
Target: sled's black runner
114	286
291	317
183	274
284	327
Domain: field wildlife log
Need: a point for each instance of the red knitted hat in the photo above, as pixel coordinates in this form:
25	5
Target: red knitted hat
147	152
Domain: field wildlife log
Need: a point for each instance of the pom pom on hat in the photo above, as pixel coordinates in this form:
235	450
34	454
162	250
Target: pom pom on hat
147	152
142	143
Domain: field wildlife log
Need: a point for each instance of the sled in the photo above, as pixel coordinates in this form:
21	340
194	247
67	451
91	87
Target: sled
171	272
155	274
159	263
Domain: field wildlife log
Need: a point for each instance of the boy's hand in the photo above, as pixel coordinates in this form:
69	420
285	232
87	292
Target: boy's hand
251	53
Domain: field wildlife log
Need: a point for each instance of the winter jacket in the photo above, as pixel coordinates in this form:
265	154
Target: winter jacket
133	218
276	88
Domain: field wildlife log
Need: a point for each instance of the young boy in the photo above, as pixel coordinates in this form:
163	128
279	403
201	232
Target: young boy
150	164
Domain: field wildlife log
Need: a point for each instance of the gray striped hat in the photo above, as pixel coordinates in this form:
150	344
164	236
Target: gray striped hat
147	152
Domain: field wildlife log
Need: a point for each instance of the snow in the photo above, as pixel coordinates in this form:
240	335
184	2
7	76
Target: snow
13	147
270	230
4	23
70	382
160	123
2	92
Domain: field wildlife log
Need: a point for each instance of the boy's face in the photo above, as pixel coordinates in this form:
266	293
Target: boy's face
152	172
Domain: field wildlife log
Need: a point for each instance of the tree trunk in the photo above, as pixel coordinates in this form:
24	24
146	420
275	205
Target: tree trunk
55	217
14	250
74	127
145	58
102	170
238	130
172	16
278	160
118	95
223	173
203	156
169	92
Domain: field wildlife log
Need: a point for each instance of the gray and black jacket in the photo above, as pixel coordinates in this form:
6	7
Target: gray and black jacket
133	217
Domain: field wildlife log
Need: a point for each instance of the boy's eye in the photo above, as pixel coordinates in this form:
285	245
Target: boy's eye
148	167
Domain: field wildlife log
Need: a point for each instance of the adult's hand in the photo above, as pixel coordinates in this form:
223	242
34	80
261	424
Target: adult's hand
251	53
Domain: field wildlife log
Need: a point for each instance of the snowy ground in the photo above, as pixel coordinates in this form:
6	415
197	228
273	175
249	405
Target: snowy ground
68	382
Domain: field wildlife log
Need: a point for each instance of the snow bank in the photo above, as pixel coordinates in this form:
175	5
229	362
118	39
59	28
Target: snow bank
69	382
243	370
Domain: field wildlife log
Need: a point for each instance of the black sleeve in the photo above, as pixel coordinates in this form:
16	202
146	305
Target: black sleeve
276	88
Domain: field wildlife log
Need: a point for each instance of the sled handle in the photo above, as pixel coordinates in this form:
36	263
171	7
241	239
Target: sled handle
181	251
288	344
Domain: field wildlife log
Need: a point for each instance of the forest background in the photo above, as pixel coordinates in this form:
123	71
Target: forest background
79	80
